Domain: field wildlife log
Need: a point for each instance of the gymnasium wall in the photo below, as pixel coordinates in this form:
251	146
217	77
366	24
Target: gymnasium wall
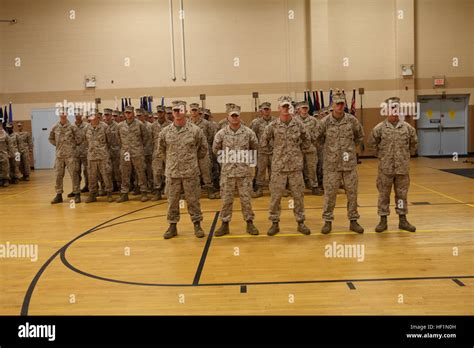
277	55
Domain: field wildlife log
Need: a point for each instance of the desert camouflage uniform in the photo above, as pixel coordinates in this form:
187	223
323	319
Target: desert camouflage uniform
157	163
264	158
205	163
393	145
289	142
310	156
5	153
114	150
66	138
181	149
98	140
236	176
132	137
15	157
340	139
25	145
81	154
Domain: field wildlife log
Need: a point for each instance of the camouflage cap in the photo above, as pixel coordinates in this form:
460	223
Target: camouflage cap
108	111
93	111
265	105
115	113
194	106
206	112
338	97
129	108
160	108
234	110
168	109
62	110
178	104
302	104
228	106
140	112
392	100
285	100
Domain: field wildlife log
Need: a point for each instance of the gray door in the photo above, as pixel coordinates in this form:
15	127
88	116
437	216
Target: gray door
442	125
42	120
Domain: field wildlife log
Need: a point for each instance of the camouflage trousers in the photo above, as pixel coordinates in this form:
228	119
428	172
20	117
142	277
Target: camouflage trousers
332	182
205	169
115	164
60	167
25	163
158	166
264	165
4	166
215	171
243	185
15	166
149	171
319	165
278	183
82	167
400	185
134	163
309	169
99	170
192	194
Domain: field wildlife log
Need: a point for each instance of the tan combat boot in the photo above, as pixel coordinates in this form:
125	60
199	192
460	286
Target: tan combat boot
302	228
123	198
251	229
224	229
92	198
198	231
405	225
327	227
57	199
171	232
354	226
274	229
382	226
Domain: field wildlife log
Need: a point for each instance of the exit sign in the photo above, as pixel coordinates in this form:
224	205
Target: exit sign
439	81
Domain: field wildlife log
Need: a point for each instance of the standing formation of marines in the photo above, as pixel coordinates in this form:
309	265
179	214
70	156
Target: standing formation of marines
177	153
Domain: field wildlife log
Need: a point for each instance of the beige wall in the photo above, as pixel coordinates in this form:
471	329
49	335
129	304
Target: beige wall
277	55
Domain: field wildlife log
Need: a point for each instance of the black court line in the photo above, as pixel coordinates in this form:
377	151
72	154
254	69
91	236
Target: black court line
351	285
458	282
197	276
29	293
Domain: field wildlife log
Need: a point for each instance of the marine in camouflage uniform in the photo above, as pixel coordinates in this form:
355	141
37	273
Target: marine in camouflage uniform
110	117
180	146
204	163
132	135
290	139
320	152
236	147
25	145
142	115
394	141
66	137
15	157
310	156
264	158
81	151
98	138
340	132
215	167
6	151
158	164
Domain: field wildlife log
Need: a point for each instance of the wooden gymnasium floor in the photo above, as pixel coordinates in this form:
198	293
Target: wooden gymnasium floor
82	255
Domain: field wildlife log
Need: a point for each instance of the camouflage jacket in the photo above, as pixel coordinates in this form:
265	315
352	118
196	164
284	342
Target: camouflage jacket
114	144
181	149
66	138
156	129
224	122
339	140
148	146
311	124
14	139
236	151
258	125
98	141
132	137
393	145
289	142
6	150
81	149
206	127
25	142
